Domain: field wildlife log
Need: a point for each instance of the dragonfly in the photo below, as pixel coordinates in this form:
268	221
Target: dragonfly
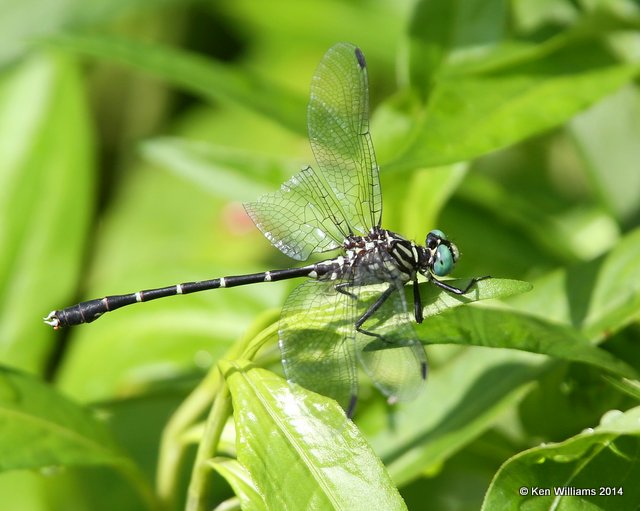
352	310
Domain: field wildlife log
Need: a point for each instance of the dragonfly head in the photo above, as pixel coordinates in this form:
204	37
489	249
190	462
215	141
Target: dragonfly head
443	254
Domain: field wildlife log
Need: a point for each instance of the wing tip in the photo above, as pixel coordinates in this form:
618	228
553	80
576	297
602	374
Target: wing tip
351	408
360	57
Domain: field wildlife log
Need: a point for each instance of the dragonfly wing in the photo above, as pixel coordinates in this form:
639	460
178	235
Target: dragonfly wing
338	123
317	341
301	218
390	353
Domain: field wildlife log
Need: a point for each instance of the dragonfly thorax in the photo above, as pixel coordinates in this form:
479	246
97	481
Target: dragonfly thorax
383	251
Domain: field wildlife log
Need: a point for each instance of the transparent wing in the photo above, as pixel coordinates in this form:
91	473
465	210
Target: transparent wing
338	122
317	341
300	218
396	361
391	353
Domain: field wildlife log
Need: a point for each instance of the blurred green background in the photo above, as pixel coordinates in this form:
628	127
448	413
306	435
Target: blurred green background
131	132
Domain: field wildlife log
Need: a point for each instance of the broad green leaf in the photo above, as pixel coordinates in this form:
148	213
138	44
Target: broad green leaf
613	290
431	188
240	480
601	459
223	171
374	26
470	115
46	188
568	237
441	31
625	385
461	399
559	23
41	428
607	138
286	433
599	297
207	78
510	329
436	300
17	29
486	382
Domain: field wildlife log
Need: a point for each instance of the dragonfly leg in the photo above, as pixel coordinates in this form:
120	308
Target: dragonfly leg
417	302
456	290
342	288
371	310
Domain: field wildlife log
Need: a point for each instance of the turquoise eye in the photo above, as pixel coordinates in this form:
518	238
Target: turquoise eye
438	233
444	261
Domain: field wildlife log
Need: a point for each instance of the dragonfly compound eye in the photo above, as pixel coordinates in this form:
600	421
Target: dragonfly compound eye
444	261
434	237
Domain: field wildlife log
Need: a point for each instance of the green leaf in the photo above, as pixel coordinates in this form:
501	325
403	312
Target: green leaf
471	115
599	297
462	398
592	23
626	386
441	31
46	188
602	458
613	290
435	300
194	73
431	188
226	172
41	428
607	138
509	329
286	433
240	480
17	29
568	237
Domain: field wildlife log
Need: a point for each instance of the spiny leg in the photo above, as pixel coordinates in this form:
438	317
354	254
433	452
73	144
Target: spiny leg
341	288
417	302
456	290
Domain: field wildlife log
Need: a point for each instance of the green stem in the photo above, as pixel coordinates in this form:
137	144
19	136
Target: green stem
173	447
199	487
200	481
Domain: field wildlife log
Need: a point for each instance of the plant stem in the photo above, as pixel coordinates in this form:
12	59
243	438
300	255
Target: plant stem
200	479
173	447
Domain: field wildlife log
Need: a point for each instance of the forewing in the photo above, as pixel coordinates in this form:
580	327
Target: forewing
300	218
338	122
317	341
